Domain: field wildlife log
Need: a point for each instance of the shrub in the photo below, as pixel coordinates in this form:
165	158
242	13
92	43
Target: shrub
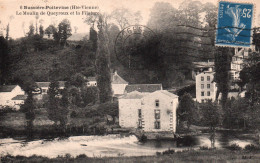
82	156
169	151
73	114
234	147
204	148
252	147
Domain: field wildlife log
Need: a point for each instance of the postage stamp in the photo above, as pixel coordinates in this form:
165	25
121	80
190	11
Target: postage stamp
234	28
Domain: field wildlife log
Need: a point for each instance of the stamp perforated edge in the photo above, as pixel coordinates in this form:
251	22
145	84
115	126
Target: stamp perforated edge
252	23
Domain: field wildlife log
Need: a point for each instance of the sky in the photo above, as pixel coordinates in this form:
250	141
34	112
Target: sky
10	10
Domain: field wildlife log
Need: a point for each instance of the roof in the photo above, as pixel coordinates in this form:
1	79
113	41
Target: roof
19	97
116	79
143	87
7	88
168	93
203	64
91	79
77	37
46	84
239	53
133	95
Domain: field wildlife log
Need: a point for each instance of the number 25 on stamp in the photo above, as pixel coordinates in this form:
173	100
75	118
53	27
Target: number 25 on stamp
234	27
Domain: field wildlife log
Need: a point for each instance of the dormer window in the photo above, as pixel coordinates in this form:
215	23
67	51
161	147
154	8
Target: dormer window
157	103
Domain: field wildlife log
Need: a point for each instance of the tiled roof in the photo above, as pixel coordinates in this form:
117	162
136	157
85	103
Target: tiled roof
116	79
91	79
203	64
143	87
133	95
168	93
7	88
19	97
46	84
240	53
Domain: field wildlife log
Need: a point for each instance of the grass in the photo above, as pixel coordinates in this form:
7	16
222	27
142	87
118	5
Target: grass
187	156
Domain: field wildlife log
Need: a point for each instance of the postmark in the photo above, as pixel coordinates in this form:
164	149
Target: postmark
133	45
234	28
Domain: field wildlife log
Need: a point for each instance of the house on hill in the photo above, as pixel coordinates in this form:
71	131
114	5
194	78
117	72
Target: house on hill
143	88
148	111
91	81
12	96
206	88
44	87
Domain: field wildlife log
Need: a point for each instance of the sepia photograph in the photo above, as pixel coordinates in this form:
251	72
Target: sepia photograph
130	81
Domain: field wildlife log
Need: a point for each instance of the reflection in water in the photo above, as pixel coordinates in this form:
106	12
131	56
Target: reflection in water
112	145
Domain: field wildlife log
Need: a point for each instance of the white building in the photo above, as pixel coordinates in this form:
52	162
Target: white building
12	96
237	63
205	87
151	112
92	82
44	87
118	84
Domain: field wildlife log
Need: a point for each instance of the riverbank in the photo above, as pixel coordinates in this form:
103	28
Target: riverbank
223	155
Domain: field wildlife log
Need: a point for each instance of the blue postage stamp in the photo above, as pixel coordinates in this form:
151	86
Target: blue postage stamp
234	27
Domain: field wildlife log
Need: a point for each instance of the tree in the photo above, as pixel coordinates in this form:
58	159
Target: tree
186	109
210	117
64	31
31	31
41	30
57	112
29	109
102	66
4	60
222	66
89	95
93	38
51	29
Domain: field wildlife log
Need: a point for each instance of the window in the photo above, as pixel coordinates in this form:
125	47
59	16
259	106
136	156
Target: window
95	83
157	125
157	114
157	103
140	124
208	93
202	86
208	78
139	113
88	83
202	93
202	78
44	90
208	85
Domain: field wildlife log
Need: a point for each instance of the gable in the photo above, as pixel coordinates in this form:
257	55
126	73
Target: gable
7	88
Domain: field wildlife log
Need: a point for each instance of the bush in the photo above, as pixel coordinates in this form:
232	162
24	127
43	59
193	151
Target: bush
234	147
73	114
168	152
252	147
204	148
81	156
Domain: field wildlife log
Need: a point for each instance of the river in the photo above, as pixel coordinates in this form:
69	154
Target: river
112	145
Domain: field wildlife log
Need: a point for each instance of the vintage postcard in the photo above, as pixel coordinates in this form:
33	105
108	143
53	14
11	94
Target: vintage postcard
129	81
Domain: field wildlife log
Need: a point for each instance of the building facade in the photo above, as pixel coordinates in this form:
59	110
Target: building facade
205	87
237	63
12	96
150	112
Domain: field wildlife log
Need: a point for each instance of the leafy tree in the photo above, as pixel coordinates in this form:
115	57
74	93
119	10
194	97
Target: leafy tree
31	31
93	38
29	109
57	112
102	66
64	31
89	95
4	60
211	116
186	109
222	66
41	30
51	29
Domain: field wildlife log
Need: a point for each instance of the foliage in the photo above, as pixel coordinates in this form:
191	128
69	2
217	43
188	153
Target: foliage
31	31
89	95
252	147
4	60
186	109
93	38
64	31
103	68
41	31
234	147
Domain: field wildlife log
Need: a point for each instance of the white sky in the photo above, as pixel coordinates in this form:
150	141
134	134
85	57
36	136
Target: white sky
9	7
